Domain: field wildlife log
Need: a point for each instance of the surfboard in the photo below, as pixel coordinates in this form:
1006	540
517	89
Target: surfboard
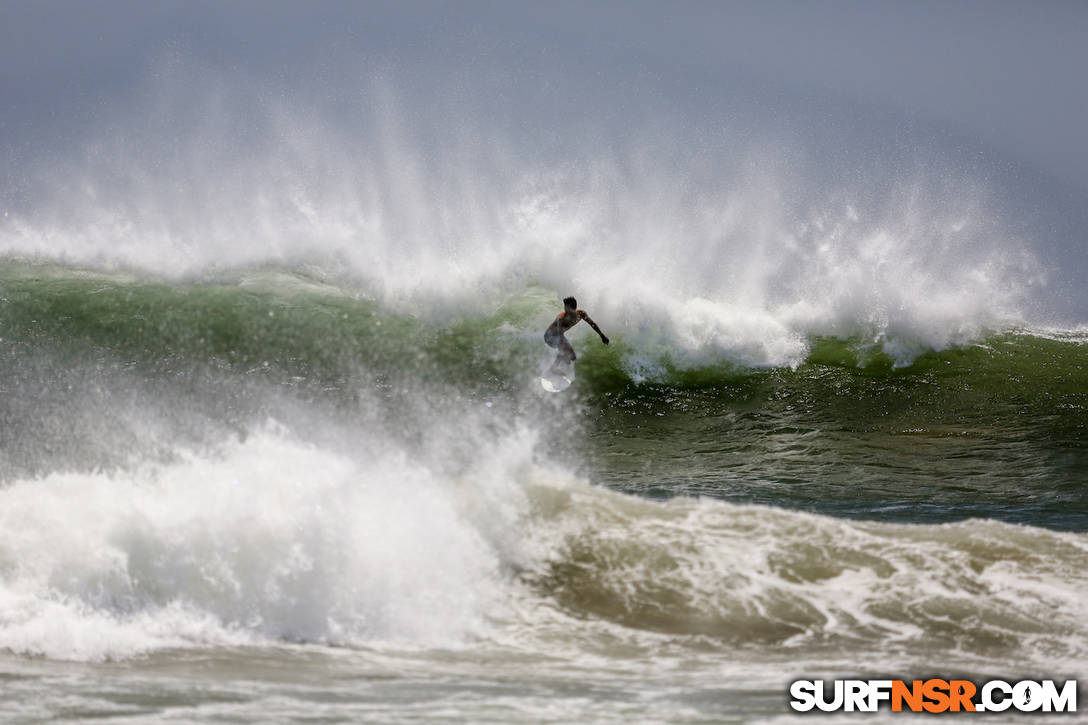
556	380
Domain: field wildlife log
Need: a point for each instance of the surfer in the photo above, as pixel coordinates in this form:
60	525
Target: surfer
568	318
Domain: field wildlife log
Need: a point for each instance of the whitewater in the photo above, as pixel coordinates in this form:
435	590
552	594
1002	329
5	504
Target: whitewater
273	448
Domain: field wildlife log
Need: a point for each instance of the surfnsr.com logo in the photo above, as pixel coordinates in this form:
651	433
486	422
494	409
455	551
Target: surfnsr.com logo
933	696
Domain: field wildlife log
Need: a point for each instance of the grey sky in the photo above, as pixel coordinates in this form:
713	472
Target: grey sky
1010	75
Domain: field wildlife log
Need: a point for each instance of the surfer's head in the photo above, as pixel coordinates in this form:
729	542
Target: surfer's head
570	303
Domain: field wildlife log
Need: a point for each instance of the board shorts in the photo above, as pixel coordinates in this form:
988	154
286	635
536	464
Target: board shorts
551	337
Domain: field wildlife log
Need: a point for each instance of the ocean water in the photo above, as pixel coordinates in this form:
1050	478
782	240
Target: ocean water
273	446
267	497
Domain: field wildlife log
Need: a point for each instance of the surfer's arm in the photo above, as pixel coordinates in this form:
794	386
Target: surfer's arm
591	323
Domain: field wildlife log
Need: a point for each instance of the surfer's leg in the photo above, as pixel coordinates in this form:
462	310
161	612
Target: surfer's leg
565	350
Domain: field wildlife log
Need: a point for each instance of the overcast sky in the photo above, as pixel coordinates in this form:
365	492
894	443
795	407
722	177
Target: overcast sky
1008	75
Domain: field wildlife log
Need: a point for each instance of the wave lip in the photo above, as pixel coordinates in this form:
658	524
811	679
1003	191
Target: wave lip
307	313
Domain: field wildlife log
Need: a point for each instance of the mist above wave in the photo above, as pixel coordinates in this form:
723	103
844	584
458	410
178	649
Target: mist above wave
710	233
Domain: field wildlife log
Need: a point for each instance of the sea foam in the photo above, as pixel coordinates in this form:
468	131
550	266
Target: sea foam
273	540
267	539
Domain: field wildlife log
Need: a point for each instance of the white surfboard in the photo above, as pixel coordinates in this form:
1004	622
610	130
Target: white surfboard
556	381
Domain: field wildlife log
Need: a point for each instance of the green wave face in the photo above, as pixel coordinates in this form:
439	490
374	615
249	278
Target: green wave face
994	429
290	326
304	325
